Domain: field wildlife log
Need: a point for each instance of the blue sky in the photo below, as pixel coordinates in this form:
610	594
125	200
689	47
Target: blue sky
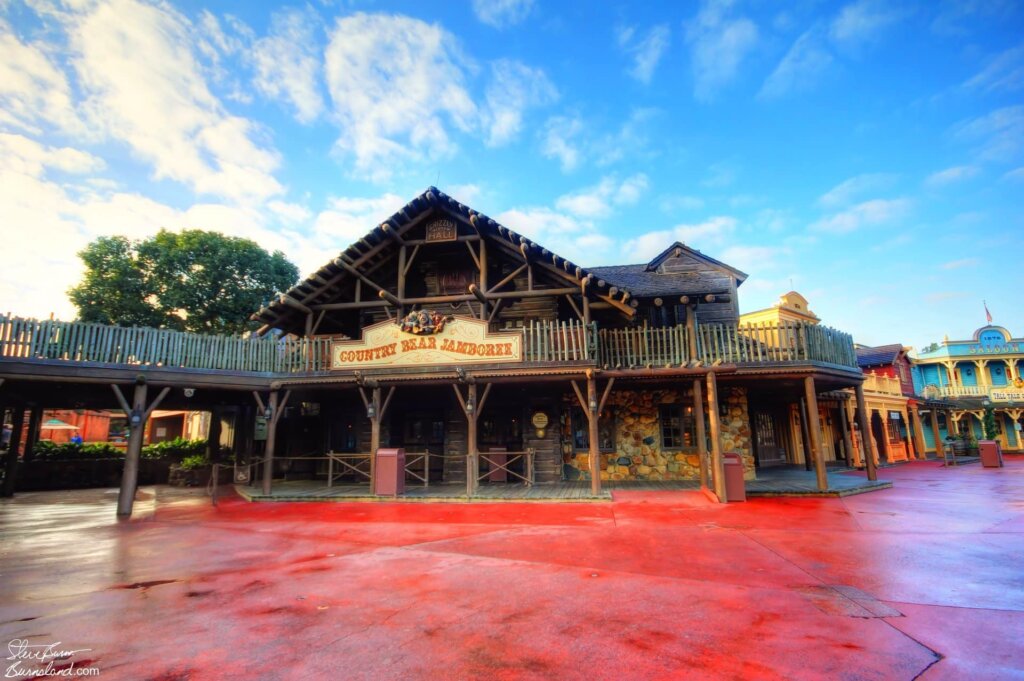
869	154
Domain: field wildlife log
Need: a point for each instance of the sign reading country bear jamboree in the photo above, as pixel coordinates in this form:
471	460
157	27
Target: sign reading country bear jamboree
424	337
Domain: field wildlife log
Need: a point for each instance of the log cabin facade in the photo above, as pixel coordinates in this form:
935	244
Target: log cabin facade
484	355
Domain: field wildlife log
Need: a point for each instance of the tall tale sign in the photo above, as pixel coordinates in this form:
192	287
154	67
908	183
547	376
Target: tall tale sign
424	338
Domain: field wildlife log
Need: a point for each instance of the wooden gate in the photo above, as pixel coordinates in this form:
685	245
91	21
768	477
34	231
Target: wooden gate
768	443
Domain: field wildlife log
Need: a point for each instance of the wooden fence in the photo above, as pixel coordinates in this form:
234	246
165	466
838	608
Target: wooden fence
543	341
84	342
555	341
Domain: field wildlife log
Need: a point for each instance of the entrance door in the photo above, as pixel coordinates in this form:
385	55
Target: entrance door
417	432
768	443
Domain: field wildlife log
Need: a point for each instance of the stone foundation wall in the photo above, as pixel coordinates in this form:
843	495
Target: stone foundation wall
638	454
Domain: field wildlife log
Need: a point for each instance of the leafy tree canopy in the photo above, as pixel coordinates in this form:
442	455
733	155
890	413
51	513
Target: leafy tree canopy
192	281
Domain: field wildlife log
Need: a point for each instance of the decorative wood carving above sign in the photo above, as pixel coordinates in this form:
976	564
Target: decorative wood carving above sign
460	340
441	230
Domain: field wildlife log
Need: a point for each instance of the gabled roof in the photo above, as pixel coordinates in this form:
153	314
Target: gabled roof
644	281
654	264
878	356
381	242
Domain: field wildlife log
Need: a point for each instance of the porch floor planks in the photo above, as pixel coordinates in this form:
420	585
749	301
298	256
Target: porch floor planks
769	483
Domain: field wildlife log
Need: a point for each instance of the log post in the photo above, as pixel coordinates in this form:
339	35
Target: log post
918	433
691	331
593	414
138	414
472	456
11	470
844	423
805	432
702	438
814	425
717	464
374	415
272	413
213	435
934	414
865	433
32	436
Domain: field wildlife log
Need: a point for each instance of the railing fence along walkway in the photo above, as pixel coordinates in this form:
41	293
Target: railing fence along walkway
543	341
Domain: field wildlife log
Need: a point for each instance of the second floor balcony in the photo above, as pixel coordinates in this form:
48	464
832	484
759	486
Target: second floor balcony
544	342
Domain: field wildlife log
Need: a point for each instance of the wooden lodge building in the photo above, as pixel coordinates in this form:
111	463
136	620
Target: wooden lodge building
485	356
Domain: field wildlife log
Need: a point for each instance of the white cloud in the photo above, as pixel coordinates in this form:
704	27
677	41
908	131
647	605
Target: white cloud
957	264
289	212
747	258
466	194
394	82
287	62
721	174
33	89
1015	175
347	219
646	52
598	201
862	21
560	141
514	87
803	64
951	175
145	87
718	46
502	13
713	231
567	235
865	214
849	190
672	204
23	155
999	135
1004	73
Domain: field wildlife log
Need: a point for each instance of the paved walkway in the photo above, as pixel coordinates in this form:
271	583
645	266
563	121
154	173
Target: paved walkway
923	580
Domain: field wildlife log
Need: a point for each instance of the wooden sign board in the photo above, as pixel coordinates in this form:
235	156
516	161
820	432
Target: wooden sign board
441	230
463	340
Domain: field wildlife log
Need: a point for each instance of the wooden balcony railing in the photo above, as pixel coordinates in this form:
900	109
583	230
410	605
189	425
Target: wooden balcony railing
884	385
137	346
543	341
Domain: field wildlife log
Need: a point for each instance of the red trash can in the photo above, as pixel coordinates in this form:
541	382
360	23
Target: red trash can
991	453
735	487
389	479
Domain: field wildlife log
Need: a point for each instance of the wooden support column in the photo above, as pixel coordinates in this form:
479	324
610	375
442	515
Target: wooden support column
272	412
844	424
11	470
593	414
814	425
864	420
374	416
138	414
213	435
32	436
916	434
691	331
805	431
717	463
702	437
934	416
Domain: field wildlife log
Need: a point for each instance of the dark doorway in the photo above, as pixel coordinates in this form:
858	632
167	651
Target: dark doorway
768	425
417	432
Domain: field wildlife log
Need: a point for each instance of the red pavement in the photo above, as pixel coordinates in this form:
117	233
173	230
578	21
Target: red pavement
924	580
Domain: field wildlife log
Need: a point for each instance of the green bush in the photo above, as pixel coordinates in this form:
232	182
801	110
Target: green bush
176	450
71	451
191	463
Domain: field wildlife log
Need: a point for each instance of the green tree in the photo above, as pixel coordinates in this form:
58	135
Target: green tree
192	280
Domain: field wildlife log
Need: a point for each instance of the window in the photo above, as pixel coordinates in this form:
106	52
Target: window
678	426
581	430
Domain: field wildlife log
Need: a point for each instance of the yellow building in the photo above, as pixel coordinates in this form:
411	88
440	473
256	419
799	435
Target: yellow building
792	307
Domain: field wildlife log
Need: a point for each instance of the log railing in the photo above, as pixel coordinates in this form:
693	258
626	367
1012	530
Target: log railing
543	341
557	341
136	346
